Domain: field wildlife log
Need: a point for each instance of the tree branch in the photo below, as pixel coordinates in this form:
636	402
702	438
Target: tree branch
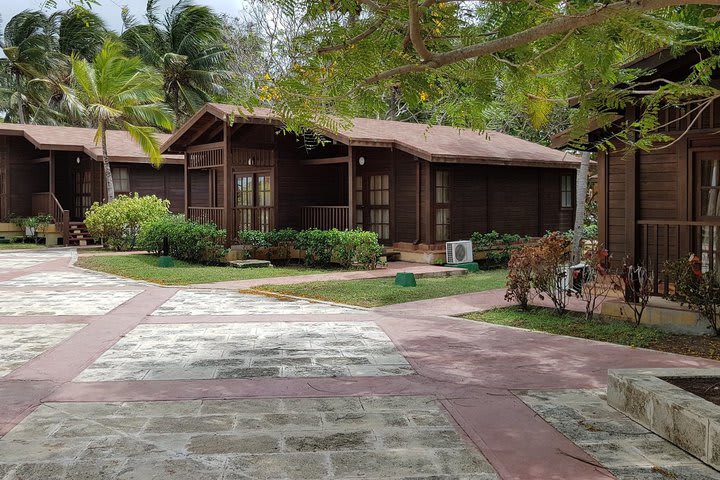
557	25
354	40
415	33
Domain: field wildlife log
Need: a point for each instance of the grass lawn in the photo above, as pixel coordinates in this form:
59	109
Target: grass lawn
604	330
383	291
144	267
20	246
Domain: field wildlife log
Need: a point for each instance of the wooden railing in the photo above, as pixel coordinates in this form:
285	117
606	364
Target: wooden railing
207	215
254	218
660	241
325	218
46	203
206	156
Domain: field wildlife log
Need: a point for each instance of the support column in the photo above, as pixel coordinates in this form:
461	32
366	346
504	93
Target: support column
227	205
51	173
187	184
351	189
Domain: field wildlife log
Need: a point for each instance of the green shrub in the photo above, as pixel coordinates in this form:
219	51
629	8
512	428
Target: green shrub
190	241
497	246
321	247
697	289
255	239
318	245
118	222
284	240
34	226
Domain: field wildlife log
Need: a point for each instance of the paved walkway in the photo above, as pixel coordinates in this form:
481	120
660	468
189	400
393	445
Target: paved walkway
108	385
420	270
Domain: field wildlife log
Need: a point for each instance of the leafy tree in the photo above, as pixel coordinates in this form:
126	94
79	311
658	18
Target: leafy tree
120	92
186	46
79	32
27	44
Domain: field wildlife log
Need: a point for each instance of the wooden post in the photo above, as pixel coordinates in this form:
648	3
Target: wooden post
684	195
187	183
51	173
227	205
602	198
631	207
351	189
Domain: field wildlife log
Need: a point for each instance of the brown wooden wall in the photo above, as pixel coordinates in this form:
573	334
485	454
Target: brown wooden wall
167	182
25	177
517	200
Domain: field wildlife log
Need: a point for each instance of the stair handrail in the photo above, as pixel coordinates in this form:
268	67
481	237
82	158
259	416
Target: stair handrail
61	217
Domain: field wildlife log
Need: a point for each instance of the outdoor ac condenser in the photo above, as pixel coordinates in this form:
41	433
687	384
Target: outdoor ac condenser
458	252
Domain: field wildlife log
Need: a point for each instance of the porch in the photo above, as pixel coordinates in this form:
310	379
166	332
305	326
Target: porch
659	241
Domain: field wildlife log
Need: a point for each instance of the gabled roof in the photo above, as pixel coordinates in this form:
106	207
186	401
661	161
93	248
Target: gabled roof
121	147
430	142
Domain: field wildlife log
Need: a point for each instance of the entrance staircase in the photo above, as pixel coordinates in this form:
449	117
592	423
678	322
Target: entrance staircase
79	235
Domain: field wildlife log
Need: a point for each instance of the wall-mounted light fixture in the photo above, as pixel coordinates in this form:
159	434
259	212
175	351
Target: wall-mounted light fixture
251	161
361	161
77	160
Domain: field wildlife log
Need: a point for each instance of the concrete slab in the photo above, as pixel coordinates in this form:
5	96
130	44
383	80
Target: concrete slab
260	439
21	343
249	350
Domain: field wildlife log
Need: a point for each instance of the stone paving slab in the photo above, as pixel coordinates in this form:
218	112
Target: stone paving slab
248	350
327	438
62	302
21	343
628	450
10	261
69	279
221	302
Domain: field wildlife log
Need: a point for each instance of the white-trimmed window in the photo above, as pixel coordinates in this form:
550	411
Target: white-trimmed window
121	180
442	205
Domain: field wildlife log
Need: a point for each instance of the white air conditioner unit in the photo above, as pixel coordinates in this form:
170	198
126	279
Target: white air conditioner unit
458	252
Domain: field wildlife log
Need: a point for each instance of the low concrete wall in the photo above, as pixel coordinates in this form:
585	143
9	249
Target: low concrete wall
10	230
661	313
677	415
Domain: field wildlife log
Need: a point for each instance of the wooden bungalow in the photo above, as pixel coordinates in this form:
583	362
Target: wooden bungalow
58	171
411	183
664	203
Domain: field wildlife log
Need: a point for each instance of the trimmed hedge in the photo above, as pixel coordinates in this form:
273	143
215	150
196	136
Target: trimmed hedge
321	247
190	241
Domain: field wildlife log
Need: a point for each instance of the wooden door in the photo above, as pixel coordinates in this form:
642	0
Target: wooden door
254	201
372	208
82	193
705	234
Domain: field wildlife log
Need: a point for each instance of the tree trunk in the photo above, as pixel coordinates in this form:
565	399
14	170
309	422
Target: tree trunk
581	193
110	188
21	111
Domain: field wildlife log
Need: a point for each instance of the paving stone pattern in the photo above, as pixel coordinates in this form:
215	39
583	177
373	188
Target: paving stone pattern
622	446
18	260
62	302
219	302
69	279
333	438
21	343
246	350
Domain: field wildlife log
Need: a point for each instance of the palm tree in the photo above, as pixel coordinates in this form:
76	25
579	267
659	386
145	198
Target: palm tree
117	91
187	47
79	32
27	44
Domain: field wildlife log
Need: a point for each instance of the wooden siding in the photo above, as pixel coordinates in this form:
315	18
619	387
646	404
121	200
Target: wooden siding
166	183
405	191
616	204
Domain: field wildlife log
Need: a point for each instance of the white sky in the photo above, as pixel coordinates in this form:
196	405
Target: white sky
109	10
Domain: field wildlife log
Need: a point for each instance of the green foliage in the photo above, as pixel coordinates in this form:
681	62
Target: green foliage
190	241
255	239
119	222
35	225
186	46
116	91
321	247
697	289
497	246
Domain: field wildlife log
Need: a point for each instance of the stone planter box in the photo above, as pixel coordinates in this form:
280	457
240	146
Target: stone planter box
684	419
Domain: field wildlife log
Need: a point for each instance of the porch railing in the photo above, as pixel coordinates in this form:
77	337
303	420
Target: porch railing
663	240
46	203
254	218
206	156
207	215
325	218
